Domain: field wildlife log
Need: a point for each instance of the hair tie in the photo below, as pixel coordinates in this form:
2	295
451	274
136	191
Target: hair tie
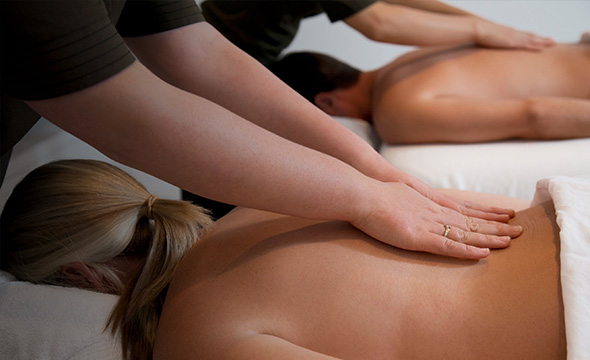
149	202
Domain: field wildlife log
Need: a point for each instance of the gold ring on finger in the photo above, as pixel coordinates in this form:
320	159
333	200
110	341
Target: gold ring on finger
447	229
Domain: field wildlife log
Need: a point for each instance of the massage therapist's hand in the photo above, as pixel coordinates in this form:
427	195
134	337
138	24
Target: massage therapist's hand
489	34
467	208
414	222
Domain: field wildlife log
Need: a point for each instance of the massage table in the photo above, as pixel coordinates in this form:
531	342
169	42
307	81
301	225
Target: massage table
508	168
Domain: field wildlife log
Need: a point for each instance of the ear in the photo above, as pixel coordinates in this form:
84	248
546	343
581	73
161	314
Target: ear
81	276
326	102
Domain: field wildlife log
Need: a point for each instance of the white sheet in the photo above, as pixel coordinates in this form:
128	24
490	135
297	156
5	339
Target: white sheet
42	322
571	198
508	168
361	128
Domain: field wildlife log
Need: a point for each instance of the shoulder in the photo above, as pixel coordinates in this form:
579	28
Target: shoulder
43	58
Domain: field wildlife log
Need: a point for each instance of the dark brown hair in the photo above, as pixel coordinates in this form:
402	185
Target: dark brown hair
311	73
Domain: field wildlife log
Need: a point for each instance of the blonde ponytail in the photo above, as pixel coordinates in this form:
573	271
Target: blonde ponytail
138	311
91	212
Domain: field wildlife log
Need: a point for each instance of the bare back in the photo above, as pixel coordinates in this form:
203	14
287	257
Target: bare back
469	94
562	70
327	287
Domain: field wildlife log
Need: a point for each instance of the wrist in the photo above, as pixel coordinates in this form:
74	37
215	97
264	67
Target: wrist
373	165
368	204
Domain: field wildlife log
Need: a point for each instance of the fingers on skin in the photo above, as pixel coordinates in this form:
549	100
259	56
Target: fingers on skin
535	42
437	244
489	227
484	215
477	210
542	41
478	225
477	239
471	206
471	239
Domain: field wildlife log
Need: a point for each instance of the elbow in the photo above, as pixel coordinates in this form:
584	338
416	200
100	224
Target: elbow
374	23
376	30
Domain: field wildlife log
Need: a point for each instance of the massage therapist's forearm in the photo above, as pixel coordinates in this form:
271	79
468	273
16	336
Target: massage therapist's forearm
398	24
407	26
182	58
141	121
430	5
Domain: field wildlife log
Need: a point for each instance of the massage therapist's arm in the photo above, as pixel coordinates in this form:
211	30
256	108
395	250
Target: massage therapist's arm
184	58
140	120
199	60
425	23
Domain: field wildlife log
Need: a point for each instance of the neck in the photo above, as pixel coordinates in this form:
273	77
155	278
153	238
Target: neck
364	89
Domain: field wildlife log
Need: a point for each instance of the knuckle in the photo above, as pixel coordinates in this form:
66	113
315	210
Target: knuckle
471	224
468	204
448	245
454	248
430	196
463	236
492	239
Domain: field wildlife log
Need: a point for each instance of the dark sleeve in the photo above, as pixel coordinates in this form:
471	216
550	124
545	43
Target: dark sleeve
341	9
149	17
52	48
55	47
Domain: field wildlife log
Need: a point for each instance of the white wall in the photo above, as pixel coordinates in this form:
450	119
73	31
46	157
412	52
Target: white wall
563	20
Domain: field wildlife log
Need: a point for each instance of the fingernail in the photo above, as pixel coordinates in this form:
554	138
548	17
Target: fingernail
484	251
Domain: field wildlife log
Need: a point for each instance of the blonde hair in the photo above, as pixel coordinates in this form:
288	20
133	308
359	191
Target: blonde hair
91	212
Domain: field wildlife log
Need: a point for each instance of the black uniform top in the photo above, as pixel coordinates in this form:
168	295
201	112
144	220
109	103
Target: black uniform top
264	28
56	47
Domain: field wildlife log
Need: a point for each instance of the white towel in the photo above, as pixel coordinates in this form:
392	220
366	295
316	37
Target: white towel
52	322
571	198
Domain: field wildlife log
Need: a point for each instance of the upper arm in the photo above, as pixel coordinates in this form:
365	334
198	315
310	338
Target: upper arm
372	20
433	6
199	60
407	25
452	119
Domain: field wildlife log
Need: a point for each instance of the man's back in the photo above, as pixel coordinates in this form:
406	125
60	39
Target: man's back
563	70
415	91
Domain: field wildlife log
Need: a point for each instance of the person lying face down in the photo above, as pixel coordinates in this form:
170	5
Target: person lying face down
88	224
454	94
268	286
